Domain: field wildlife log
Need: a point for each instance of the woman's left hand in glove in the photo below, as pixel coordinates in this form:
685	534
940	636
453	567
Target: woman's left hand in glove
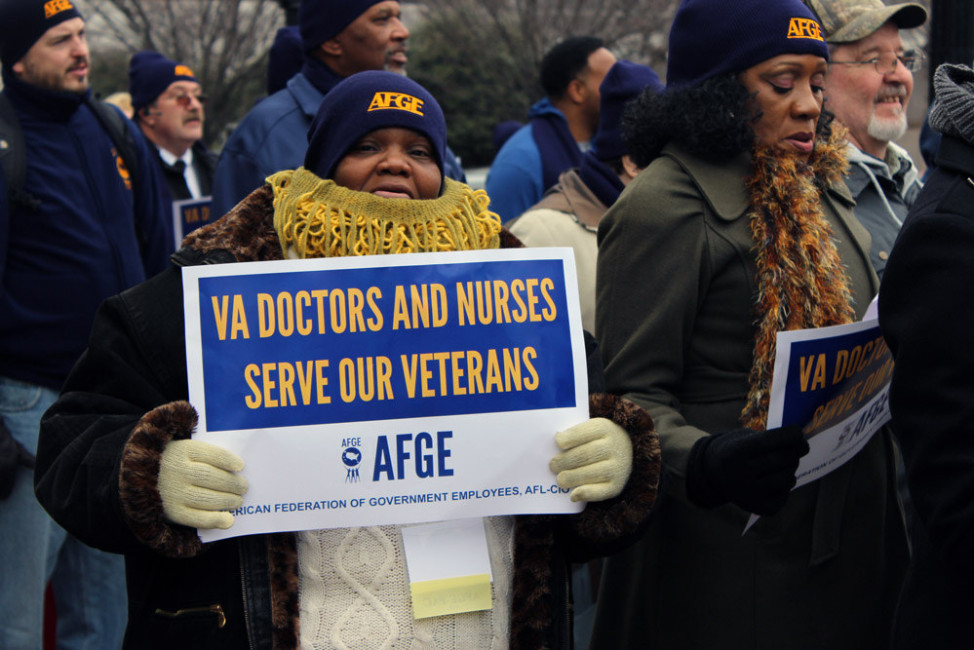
596	460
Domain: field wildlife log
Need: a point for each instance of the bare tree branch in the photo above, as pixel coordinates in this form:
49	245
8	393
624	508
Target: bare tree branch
225	42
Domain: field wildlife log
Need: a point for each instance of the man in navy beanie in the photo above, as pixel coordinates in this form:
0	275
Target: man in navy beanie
285	58
169	108
339	38
76	229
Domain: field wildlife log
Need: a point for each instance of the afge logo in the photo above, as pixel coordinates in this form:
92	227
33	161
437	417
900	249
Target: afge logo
122	169
351	458
804	28
397	101
54	7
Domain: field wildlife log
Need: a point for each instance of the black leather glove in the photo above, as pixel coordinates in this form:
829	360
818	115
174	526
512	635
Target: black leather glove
13	456
752	469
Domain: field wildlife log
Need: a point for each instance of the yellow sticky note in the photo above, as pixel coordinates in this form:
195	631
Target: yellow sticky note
451	596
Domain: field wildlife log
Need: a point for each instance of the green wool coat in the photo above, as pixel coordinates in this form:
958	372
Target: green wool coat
675	294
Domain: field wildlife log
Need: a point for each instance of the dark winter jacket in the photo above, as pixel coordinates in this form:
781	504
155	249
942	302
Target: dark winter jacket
676	281
99	460
93	234
926	308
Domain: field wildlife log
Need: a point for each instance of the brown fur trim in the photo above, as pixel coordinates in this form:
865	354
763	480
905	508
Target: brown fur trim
282	560
139	476
801	280
509	240
247	231
606	521
531	615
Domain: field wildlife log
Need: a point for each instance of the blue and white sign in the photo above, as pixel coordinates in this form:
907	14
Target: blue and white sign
190	214
388	389
834	383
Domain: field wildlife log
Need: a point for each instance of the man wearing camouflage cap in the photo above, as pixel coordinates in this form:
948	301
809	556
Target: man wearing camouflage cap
868	86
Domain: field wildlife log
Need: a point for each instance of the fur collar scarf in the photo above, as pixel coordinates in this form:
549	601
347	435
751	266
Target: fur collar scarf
801	282
317	218
247	234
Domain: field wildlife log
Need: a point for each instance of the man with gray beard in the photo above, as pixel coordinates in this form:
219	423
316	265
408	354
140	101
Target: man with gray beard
868	86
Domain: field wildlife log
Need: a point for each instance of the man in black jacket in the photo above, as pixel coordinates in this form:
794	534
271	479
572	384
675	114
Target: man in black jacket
926	310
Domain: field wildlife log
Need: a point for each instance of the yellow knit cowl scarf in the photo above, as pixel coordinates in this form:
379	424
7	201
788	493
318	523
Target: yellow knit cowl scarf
317	218
801	282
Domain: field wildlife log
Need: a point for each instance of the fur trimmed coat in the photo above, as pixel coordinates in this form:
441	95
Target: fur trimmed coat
98	463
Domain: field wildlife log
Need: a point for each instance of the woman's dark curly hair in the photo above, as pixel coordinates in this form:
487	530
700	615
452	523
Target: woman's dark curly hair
711	120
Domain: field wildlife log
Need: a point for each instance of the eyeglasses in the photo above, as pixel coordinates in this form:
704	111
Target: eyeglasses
185	99
886	63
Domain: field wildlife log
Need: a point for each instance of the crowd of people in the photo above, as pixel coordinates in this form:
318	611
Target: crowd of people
757	188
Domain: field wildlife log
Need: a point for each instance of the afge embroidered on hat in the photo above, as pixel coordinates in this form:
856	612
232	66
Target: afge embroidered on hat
23	22
396	101
804	28
365	102
715	37
54	7
151	73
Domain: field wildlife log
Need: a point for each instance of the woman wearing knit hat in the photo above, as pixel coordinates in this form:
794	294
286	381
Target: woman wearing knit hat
740	227
372	183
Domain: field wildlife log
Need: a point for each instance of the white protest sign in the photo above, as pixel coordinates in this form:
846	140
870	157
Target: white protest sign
190	214
834	383
388	389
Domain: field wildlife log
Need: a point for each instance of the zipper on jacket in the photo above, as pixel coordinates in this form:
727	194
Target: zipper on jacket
212	609
243	593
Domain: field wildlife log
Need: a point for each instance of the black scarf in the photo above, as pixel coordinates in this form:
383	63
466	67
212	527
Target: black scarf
599	178
320	75
557	147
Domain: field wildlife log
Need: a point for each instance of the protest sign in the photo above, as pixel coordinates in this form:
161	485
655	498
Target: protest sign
834	383
388	389
190	214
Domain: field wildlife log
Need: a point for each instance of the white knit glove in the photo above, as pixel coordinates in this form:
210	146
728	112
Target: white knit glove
198	484
596	460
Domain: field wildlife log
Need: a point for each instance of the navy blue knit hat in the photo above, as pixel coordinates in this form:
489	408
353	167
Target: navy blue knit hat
624	82
364	102
713	37
323	20
285	58
150	73
23	22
